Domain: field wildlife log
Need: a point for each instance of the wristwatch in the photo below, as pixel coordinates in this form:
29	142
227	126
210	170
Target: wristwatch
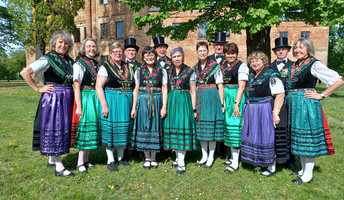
323	96
194	110
235	102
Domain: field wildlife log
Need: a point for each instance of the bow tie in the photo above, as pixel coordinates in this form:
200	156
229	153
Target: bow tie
162	59
279	62
216	57
131	62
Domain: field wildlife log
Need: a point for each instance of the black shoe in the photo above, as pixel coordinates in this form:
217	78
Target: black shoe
295	174
124	163
299	181
50	165
200	164
89	165
208	166
270	173
174	164
62	175
82	172
231	169
112	167
180	171
146	166
228	162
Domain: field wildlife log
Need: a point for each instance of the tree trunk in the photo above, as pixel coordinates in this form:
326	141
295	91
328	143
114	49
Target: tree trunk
39	50
259	41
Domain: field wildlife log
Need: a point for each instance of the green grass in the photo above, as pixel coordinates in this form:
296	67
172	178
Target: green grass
23	173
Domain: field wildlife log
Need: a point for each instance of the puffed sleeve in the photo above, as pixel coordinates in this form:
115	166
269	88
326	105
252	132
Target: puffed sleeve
193	78
218	76
164	76
137	76
243	72
102	71
326	75
39	67
78	71
276	85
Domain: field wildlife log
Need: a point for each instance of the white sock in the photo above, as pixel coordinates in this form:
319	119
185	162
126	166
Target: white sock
204	146
302	160
235	157
181	158
308	171
272	167
58	163
51	159
109	153
81	159
212	147
120	153
86	154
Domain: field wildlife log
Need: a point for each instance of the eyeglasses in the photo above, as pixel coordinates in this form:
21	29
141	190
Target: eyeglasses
117	52
131	50
149	55
202	51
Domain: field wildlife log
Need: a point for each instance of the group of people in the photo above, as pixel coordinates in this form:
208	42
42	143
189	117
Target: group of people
267	116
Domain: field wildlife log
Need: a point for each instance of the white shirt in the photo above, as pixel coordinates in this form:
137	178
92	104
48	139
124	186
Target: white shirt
243	72
326	75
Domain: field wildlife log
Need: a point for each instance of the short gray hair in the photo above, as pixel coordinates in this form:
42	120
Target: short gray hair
307	43
116	45
83	45
61	34
259	56
177	49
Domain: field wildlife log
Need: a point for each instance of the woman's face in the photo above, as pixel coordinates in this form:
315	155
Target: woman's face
91	49
117	54
300	51
177	59
149	59
61	46
231	57
202	52
257	65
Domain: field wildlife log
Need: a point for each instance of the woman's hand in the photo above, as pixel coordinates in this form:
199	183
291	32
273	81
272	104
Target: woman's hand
312	95
105	111
46	89
78	112
275	118
195	114
236	111
133	113
163	111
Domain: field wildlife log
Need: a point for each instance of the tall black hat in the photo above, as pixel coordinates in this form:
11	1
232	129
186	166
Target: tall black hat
159	40
281	42
131	42
220	37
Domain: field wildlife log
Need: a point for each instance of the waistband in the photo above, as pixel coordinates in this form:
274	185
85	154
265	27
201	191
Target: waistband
178	88
301	90
232	85
119	89
204	86
88	87
257	99
60	84
150	88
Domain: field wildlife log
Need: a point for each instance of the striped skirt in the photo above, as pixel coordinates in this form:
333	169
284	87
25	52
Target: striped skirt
53	122
179	127
233	125
148	125
116	130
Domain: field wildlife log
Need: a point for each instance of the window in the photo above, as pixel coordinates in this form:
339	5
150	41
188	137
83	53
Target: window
284	34
228	33
305	34
202	30
104	1
104	58
104	31
175	24
85	32
120	29
77	35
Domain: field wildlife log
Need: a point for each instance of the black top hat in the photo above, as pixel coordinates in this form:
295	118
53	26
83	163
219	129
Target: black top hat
158	40
220	37
130	42
281	42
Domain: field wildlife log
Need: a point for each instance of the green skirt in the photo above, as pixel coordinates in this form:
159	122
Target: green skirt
88	135
306	125
179	127
233	125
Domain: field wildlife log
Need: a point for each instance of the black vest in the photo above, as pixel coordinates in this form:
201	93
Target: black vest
263	88
303	80
185	84
157	82
231	77
112	80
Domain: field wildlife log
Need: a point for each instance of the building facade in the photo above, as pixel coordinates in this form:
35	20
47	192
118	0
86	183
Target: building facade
110	21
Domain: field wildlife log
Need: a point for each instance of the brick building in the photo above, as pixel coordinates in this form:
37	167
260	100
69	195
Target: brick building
110	21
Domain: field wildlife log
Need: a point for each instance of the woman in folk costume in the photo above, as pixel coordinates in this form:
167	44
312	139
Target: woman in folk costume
310	134
114	87
235	76
85	71
263	101
209	104
179	127
149	107
53	118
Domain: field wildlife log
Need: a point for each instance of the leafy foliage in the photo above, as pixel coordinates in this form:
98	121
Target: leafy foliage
336	49
12	65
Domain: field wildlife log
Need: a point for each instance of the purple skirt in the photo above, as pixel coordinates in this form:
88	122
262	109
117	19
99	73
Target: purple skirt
53	122
258	134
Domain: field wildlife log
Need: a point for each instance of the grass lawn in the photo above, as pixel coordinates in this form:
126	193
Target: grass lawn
24	175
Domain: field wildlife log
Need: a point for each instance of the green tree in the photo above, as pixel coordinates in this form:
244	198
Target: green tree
336	49
38	19
12	65
256	17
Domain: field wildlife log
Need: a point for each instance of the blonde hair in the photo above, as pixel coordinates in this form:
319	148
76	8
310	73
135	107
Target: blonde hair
259	55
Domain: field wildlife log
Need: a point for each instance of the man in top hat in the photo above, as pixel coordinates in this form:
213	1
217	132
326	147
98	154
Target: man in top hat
218	44
130	51
161	49
281	65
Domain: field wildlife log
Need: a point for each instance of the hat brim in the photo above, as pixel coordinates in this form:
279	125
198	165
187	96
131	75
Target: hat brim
289	47
219	42
134	46
155	46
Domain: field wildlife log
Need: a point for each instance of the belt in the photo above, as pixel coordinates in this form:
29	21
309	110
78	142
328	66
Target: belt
150	102
60	84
